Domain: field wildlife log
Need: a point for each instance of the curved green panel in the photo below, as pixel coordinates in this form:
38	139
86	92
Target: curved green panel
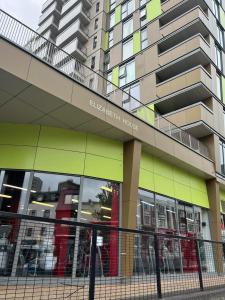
115	76
59	150
106	41
159	176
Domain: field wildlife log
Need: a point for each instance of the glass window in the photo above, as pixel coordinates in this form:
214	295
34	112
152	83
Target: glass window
96	23
218	85
97	7
128	8
220	35
222	157
218	57
12	190
166	214
128	49
144	38
112	4
127	73
142	2
130	97
109	83
95	42
100	203
146	210
127	28
110	38
55	195
112	19
143	17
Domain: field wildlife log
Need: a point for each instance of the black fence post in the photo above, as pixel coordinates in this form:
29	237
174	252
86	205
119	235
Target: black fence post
157	265
92	265
199	265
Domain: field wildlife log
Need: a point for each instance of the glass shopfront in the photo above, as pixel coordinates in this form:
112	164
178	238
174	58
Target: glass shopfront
51	249
171	217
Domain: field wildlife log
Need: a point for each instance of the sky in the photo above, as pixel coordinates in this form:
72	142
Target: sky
27	11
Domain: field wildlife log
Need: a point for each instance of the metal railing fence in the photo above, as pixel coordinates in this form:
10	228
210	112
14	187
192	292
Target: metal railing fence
46	259
30	41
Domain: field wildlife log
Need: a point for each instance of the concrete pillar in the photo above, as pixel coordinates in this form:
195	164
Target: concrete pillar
215	222
131	169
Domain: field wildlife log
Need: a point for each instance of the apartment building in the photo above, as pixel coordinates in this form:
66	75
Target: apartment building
124	102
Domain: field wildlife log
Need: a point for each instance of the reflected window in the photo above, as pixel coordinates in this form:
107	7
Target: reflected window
55	196
146	210
166	213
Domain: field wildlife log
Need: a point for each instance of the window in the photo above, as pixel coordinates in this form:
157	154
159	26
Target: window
128	49
143	2
218	86
97	7
222	156
112	19
96	23
146	218
91	82
93	62
94	42
129	98
43	231
128	8
112	4
108	83
127	73
110	38
218	57
32	213
107	60
46	213
29	232
215	8
220	35
143	18
144	38
127	28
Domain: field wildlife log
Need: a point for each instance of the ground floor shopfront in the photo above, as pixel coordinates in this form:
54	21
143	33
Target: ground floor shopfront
67	175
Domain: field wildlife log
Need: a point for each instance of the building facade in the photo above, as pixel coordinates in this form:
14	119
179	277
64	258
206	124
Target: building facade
135	139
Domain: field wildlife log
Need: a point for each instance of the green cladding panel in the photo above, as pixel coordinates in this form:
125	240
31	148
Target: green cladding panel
42	148
222	17
106	41
137	42
164	178
115	76
147	114
118	14
107	6
154	9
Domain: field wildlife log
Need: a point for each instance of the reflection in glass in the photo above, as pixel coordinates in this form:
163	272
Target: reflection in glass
100	205
50	248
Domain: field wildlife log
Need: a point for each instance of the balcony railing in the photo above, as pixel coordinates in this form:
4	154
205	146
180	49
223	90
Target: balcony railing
27	39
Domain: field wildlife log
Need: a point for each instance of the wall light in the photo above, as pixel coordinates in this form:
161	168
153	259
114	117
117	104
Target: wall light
5	196
17	187
106	208
106	188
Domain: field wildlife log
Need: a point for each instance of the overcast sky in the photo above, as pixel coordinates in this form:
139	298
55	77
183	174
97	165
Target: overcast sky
27	11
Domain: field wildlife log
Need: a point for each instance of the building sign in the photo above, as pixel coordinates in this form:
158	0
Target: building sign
117	117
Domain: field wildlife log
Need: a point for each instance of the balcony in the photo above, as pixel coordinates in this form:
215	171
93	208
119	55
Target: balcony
174	9
183	27
73	31
73	15
52	10
71	3
196	119
184	48
48	24
73	48
46	4
184	89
